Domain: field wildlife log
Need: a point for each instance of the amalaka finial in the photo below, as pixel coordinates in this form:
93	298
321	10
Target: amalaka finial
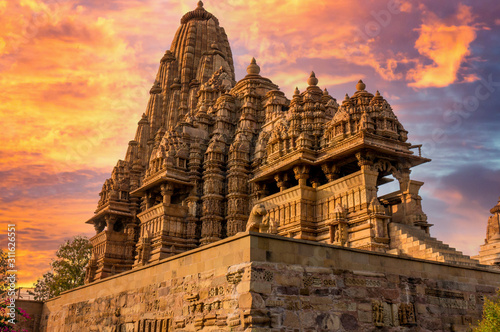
377	94
200	4
253	68
297	91
496	208
325	92
312	79
346	97
360	86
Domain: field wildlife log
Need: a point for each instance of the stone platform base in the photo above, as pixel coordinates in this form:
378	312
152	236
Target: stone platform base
258	282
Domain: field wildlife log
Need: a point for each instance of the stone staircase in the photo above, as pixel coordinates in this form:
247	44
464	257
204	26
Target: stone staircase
414	242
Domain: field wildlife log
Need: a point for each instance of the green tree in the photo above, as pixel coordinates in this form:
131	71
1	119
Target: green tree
491	315
68	269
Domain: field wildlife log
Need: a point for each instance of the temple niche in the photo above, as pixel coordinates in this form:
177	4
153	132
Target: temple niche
489	253
208	149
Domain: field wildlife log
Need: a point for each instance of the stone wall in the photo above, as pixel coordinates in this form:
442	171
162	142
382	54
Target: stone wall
34	311
258	282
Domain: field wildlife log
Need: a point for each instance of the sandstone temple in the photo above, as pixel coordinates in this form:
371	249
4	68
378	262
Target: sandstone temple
239	208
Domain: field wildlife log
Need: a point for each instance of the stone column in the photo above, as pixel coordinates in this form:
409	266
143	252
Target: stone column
301	174
365	161
282	181
213	190
110	222
332	172
403	176
167	190
99	226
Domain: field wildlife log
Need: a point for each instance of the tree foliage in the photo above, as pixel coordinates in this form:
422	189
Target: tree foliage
491	315
68	269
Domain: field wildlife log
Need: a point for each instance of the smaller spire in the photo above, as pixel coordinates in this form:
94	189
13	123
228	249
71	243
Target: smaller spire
377	99
312	81
347	101
297	91
496	208
360	86
253	68
144	120
200	4
325	92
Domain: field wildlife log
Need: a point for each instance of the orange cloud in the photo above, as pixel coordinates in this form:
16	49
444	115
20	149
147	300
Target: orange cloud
334	30
69	84
72	90
447	45
41	226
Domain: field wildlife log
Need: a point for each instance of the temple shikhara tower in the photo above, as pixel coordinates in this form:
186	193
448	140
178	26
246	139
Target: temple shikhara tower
211	153
489	254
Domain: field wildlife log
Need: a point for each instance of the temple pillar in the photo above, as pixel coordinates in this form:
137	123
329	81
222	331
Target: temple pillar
167	190
301	174
110	222
332	172
282	181
99	226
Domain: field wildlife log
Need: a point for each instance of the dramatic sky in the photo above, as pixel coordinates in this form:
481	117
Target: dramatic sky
75	78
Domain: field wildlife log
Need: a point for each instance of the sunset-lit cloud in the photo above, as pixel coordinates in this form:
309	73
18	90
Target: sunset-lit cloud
75	79
447	44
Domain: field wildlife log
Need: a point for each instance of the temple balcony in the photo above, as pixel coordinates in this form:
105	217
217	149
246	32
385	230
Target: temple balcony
343	211
339	152
155	219
165	230
112	253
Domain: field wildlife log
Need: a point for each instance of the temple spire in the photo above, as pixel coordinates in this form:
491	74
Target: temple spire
253	68
312	79
360	86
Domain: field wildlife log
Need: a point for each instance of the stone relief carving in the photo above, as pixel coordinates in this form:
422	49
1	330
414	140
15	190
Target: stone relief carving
378	313
406	314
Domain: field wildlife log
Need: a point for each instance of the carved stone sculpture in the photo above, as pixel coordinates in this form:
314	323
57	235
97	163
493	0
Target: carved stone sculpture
257	222
406	313
378	313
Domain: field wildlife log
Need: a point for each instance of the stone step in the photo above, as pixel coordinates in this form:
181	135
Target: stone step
417	243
